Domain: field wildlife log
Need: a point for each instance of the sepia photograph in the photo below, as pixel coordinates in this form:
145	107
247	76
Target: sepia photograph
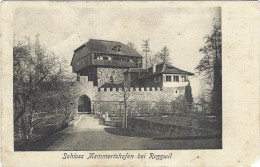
131	79
123	83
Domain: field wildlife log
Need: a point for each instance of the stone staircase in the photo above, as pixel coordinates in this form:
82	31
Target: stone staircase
89	122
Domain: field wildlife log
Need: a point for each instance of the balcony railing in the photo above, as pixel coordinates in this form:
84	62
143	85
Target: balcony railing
114	63
89	61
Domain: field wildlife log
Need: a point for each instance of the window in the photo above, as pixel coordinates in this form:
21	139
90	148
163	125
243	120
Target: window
100	57
122	59
168	78
176	78
183	78
117	48
116	58
95	56
105	58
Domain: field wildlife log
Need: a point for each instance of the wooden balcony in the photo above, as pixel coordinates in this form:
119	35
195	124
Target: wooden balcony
89	61
114	63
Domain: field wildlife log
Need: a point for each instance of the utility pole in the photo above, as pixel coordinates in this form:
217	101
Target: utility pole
146	49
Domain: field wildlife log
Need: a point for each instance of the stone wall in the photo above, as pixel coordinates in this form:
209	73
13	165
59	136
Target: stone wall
150	82
80	88
104	75
187	120
171	130
140	101
142	94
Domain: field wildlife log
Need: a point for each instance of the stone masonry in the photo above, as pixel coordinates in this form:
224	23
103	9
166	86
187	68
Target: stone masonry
105	75
151	94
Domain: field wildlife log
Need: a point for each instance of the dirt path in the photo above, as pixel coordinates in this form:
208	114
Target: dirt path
89	135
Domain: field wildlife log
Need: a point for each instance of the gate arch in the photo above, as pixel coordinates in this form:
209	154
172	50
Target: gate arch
84	104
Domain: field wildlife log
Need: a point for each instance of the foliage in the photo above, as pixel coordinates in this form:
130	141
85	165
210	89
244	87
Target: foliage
126	93
154	59
209	70
164	55
188	94
180	104
160	57
41	87
217	90
131	45
149	58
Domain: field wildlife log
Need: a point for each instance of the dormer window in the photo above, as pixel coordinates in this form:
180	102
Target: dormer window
117	48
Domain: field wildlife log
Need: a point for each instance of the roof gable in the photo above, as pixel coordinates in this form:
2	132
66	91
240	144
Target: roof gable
81	52
103	46
164	68
169	69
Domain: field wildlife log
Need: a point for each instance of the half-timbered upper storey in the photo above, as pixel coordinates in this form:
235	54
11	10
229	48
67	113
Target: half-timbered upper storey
104	53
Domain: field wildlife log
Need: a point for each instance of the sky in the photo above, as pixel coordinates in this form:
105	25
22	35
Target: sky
62	30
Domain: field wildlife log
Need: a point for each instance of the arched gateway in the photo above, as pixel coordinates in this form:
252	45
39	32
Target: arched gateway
84	104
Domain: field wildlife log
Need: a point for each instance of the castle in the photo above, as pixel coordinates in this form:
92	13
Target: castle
103	67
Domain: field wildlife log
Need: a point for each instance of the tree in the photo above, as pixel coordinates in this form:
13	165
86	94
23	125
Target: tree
217	89
211	51
40	83
160	57
125	94
209	69
188	94
153	59
131	45
164	55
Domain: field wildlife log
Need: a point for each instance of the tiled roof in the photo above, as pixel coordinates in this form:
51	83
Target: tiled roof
169	69
164	68
103	46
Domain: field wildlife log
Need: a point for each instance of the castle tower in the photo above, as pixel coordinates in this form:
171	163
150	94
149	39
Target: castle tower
103	61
